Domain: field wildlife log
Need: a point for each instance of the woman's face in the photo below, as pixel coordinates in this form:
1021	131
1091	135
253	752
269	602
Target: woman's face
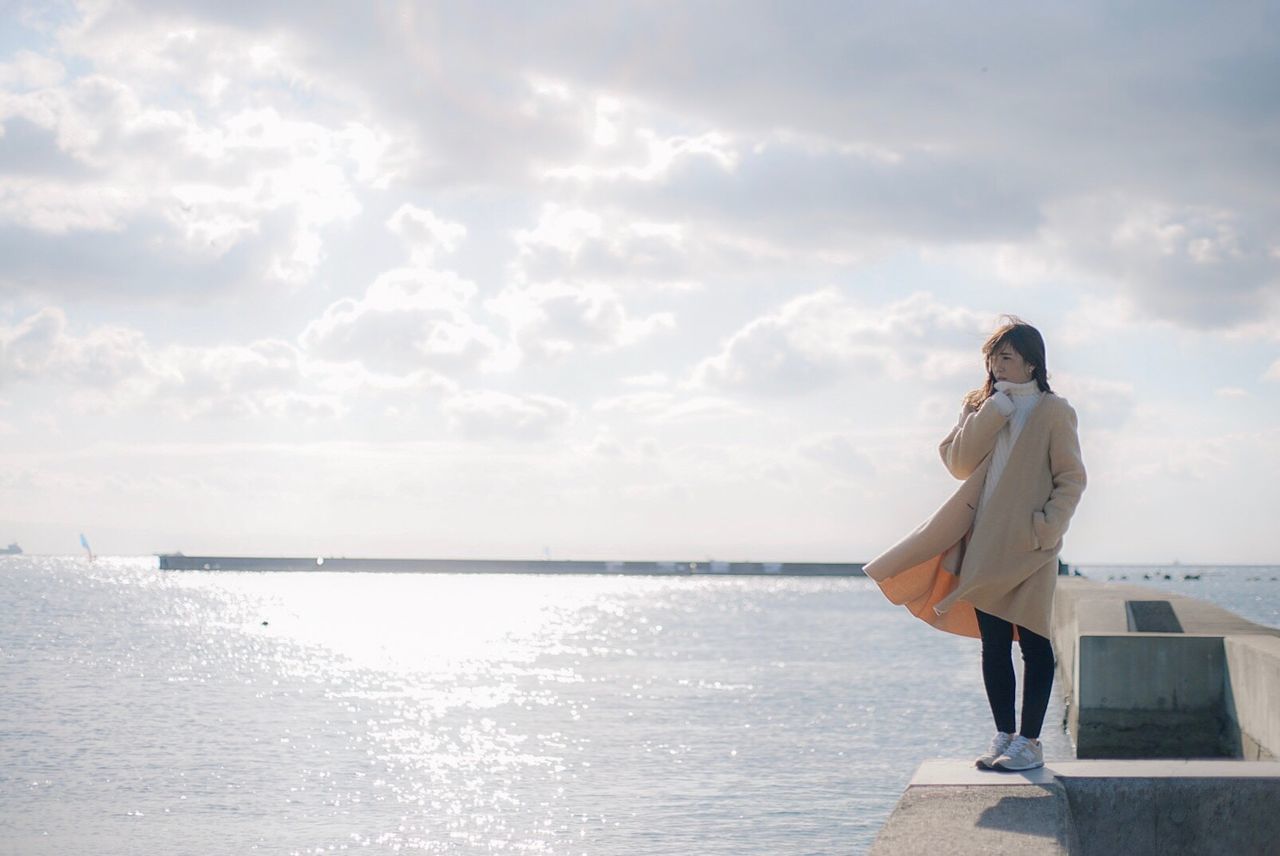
1008	364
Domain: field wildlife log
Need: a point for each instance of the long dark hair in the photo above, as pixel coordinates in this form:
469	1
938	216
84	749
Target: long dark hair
1024	339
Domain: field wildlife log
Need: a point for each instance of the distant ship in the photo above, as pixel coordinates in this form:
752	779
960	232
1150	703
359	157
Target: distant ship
11	550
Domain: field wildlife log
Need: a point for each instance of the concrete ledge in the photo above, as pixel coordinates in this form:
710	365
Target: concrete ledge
1253	672
941	772
977	820
1088	807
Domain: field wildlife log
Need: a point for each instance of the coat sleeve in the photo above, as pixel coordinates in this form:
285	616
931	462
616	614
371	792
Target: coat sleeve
973	438
1069	479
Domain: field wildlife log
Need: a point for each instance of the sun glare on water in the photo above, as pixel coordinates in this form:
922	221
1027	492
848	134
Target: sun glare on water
408	623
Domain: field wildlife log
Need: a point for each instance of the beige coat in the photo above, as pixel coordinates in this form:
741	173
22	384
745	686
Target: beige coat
1008	563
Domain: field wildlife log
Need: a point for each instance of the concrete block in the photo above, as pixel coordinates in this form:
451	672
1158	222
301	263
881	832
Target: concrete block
1151	671
1174	816
1199	616
1136	808
1152	616
1134	698
948	772
1101	615
1077	607
959	820
1151	696
1253	669
1080	606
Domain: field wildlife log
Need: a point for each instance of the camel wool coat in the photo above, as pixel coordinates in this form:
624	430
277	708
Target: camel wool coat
1007	564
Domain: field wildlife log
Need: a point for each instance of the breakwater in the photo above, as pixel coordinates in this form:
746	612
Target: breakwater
1171	703
1088	808
178	562
1151	674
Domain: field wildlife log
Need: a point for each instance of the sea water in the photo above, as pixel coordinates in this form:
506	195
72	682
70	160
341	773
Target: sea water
144	711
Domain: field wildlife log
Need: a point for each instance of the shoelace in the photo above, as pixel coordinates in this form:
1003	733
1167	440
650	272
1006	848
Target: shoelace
1018	745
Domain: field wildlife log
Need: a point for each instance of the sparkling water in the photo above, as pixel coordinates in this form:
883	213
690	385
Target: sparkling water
224	712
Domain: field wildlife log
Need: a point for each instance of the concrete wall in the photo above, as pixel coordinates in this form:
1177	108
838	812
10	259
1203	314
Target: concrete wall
1152	696
1088	808
1253	673
959	820
1174	816
1211	691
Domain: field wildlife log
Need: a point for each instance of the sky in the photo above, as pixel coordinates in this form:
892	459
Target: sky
622	280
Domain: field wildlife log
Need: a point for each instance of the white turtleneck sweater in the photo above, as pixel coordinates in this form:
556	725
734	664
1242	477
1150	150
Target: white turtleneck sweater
1015	400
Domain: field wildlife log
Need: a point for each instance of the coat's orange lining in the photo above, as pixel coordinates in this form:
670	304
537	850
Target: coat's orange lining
922	587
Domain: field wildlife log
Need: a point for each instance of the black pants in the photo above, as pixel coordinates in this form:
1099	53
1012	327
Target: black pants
997	674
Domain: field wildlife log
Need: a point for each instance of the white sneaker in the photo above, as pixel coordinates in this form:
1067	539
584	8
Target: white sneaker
1023	754
999	743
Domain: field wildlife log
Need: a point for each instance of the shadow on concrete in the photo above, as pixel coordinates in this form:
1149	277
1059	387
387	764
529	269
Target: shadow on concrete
1034	810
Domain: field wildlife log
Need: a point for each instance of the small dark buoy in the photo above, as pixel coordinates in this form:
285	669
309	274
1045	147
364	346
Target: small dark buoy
264	624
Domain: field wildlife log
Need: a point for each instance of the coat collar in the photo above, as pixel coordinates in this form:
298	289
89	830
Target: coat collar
1033	419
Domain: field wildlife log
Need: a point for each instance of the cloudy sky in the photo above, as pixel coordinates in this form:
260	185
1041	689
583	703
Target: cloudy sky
626	280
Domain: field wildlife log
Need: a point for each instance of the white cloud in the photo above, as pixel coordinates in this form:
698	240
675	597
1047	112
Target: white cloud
839	456
662	155
490	414
41	348
30	70
1102	317
649	379
635	403
425	234
578	244
408	320
1196	265
178	181
557	302
775	158
1100	402
670	408
463	214
111	369
554	319
814	340
563	230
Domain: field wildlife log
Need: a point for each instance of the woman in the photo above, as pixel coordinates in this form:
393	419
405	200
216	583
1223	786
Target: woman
986	562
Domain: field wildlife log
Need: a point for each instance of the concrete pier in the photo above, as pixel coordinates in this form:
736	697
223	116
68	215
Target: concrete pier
341	564
1146	675
1210	690
1088	808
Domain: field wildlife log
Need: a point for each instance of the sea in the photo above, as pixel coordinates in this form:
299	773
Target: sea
163	712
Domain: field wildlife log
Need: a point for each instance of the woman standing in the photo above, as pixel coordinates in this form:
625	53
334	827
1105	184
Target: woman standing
985	563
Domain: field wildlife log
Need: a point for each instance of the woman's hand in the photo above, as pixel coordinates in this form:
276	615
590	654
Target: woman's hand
969	443
1003	402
